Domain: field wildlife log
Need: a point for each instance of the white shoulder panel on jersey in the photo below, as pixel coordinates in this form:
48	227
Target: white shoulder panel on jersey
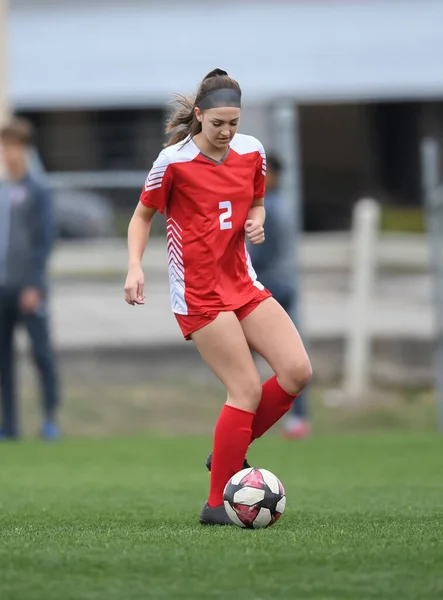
181	152
244	144
172	154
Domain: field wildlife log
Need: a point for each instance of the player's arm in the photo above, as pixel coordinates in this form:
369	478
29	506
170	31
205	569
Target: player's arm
138	233
154	197
257	214
254	223
257	211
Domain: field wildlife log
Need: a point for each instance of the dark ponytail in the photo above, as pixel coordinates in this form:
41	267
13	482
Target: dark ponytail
183	118
216	73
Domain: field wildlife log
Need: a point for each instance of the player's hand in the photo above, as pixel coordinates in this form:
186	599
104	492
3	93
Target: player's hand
30	300
134	286
254	232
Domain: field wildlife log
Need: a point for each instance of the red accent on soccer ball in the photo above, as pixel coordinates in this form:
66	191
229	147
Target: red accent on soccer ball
253	479
246	514
281	488
275	518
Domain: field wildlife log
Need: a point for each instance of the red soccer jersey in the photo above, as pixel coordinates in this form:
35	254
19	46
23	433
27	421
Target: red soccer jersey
207	204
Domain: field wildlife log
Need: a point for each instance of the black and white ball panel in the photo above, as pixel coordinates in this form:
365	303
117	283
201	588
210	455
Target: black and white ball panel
254	498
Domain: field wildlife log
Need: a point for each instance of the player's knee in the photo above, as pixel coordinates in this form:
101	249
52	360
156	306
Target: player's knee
295	376
247	396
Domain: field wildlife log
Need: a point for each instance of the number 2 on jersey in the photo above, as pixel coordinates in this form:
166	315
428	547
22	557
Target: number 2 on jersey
226	206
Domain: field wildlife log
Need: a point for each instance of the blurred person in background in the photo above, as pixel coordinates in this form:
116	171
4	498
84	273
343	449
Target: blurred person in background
27	233
274	263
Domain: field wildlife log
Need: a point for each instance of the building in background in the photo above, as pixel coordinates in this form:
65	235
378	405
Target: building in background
97	76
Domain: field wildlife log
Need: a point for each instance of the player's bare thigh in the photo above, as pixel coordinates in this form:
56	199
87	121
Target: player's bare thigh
223	346
270	332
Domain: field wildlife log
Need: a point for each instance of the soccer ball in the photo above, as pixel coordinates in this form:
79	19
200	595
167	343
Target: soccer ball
254	498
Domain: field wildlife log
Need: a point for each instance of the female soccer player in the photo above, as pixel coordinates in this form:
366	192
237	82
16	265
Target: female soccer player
210	180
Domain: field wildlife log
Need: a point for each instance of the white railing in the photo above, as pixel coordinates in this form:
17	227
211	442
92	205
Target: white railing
97	179
365	231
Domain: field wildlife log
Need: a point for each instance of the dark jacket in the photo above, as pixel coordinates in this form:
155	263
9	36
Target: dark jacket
27	233
274	260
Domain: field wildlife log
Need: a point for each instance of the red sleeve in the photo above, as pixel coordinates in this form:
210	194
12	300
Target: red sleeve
260	174
155	193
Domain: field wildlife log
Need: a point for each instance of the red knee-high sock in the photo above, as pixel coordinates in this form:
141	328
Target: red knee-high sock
231	440
275	402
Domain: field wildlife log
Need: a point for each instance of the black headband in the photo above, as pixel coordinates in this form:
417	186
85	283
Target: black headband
220	98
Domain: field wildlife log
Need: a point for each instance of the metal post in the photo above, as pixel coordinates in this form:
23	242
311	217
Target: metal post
366	224
286	142
433	198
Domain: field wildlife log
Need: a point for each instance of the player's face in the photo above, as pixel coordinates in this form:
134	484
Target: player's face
219	125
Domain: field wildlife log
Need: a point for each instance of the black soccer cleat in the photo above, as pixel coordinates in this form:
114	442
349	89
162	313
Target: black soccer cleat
246	465
214	516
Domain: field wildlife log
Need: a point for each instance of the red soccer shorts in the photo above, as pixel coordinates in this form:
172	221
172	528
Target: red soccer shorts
191	323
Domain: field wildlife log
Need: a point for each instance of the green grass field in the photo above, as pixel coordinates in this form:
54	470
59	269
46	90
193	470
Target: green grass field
117	518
